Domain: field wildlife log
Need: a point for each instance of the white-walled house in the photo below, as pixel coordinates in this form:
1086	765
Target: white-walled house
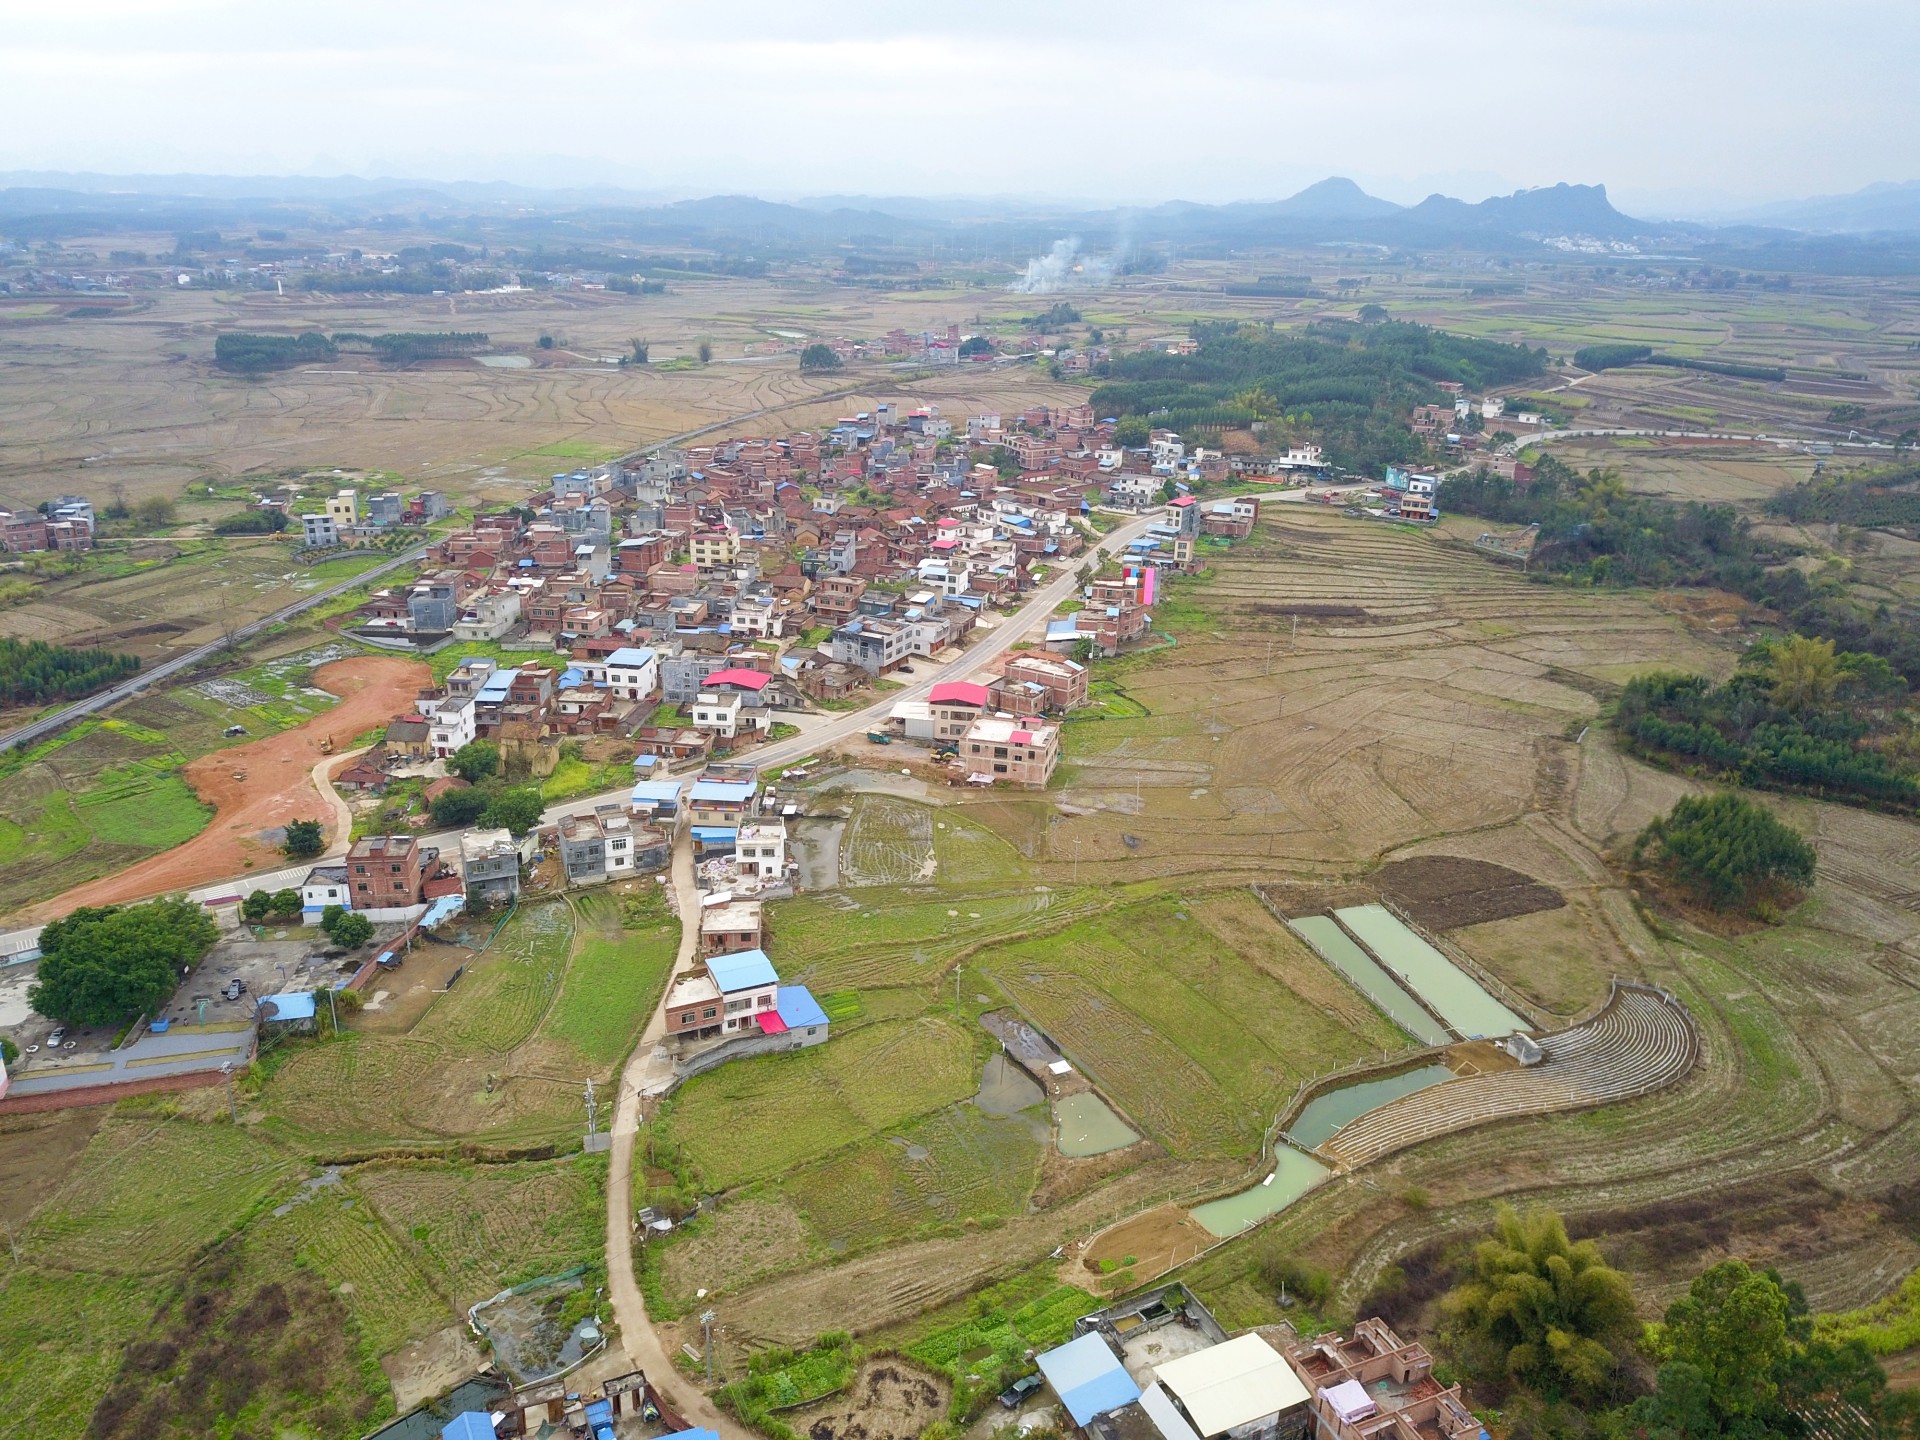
633	672
761	849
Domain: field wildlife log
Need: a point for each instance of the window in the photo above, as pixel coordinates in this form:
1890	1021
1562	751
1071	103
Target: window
999	769
363	887
686	1017
765	1001
708	1013
360	870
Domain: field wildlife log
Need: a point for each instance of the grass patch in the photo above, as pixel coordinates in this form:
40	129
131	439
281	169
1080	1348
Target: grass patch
61	1338
981	1343
500	1002
621	960
761	1117
389	1295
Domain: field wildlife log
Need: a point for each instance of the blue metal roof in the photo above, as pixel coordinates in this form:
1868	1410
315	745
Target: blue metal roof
294	1005
715	834
497	684
1088	1377
632	656
469	1425
657	792
723	790
696	1434
742	970
798	1007
1063	629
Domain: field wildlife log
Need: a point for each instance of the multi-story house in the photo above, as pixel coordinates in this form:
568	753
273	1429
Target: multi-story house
386	871
875	646
1020	752
490	864
633	672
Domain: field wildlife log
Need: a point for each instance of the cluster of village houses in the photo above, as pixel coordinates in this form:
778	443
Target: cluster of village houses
1157	1366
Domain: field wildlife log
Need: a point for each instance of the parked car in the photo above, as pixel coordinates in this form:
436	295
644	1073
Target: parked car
59	1034
1019	1390
235	989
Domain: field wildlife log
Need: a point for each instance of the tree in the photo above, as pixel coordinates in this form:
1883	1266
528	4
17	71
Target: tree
1131	432
516	810
351	931
330	917
1726	850
154	511
545	342
305	838
1804	673
1731	1329
475	761
818	358
255	907
704	350
975	345
1371	314
455	809
1539	1309
9	1052
285	904
639	350
105	965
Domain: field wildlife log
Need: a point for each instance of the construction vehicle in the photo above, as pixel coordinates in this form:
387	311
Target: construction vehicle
326	745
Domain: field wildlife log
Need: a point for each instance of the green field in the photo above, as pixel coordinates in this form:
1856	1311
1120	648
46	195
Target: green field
480	1228
832	941
385	1288
621	962
497	1006
756	1118
61	1336
1190	1020
976	1167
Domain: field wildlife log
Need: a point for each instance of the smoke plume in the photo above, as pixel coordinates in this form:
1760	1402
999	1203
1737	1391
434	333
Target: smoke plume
1064	267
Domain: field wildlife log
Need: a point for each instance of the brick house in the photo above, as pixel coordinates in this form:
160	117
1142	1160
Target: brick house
386	871
1020	752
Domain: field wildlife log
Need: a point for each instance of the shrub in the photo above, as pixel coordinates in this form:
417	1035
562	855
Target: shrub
305	838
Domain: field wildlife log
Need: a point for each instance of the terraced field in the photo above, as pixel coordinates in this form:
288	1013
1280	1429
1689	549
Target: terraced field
385	1288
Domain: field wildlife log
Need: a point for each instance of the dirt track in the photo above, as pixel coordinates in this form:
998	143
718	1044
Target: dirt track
278	787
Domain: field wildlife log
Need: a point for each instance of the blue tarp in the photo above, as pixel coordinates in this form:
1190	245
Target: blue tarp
695	1435
1088	1377
442	910
715	835
742	970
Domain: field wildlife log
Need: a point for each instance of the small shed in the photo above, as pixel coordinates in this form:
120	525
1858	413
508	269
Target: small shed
1088	1377
469	1425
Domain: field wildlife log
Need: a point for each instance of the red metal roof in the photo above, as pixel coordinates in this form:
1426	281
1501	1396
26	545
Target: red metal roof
745	679
961	690
770	1022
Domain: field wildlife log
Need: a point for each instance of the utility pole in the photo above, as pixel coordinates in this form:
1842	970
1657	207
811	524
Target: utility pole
233	1105
593	1121
706	1329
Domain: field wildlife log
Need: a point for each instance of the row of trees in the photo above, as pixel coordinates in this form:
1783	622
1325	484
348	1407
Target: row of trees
1797	715
256	354
1542	1319
33	672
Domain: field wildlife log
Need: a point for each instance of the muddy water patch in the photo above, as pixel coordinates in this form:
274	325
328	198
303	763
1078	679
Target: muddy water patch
1088	1127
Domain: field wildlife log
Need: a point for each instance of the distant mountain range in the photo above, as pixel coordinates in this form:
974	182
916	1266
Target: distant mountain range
1881	219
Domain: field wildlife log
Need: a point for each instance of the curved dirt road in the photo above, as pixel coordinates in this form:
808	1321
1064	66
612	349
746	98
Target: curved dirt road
629	1307
279	786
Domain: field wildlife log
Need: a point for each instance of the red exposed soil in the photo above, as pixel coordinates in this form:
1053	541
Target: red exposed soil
106	1094
277	786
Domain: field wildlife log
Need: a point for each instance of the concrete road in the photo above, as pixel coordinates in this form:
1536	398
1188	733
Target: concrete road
183	1050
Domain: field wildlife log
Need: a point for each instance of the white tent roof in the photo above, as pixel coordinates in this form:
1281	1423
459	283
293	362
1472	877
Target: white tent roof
1228	1385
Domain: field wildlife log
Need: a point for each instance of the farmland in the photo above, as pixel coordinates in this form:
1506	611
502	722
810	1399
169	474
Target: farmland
501	1057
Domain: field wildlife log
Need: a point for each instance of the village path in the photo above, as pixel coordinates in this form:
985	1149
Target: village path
637	1334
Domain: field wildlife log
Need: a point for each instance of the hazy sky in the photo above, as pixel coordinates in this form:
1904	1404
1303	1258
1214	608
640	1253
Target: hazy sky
1678	105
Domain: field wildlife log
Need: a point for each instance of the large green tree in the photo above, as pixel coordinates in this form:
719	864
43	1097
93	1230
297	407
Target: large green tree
1540	1310
475	761
1726	850
103	966
517	810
